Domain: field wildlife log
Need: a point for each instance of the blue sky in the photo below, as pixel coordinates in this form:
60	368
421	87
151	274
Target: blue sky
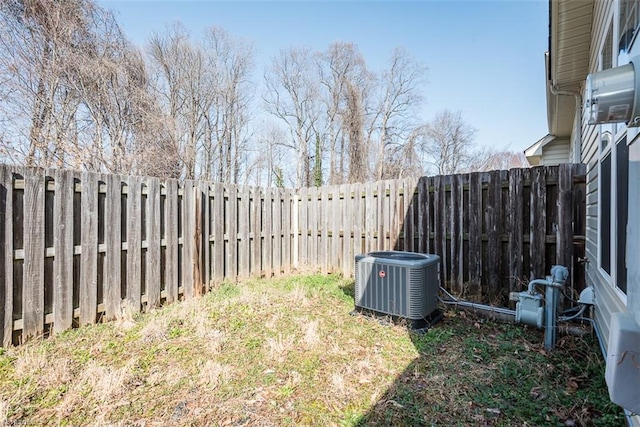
485	58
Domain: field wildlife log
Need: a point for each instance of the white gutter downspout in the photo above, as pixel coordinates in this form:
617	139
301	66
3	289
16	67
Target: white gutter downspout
577	121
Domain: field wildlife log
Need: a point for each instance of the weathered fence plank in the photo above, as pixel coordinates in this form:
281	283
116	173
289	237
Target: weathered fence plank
244	224
475	230
63	249
303	228
152	270
33	276
218	219
256	240
205	235
171	279
493	209
515	228
277	229
134	241
6	254
113	243
267	224
287	224
188	233
537	219
89	252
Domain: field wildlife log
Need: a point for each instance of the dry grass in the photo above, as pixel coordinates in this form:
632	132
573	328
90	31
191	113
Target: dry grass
286	352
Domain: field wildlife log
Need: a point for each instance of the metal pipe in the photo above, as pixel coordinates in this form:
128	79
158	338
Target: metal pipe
577	120
551	303
476	306
574	316
534	282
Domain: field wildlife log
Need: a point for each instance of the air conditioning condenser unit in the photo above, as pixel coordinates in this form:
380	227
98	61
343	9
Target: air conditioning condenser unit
399	284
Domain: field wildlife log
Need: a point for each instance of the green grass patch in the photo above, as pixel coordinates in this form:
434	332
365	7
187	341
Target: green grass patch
286	352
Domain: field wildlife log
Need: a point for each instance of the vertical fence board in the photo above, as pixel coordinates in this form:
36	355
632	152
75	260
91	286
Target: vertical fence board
287	231
370	216
358	222
564	242
218	233
206	235
152	276
267	224
347	222
113	243
89	253
538	221
33	282
411	226
63	249
277	230
313	225
494	204
515	228
440	238
422	229
171	240
244	221
462	183
134	241
232	224
197	241
389	226
454	232
336	214
324	214
256	239
6	255
475	230
188	233
303	225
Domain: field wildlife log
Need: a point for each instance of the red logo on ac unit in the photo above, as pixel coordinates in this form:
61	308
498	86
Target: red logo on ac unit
382	274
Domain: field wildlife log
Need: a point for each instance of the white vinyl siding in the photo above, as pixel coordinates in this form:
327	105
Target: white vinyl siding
607	298
556	152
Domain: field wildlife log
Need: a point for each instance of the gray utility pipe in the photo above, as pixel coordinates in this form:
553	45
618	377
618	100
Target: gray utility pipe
552	285
482	307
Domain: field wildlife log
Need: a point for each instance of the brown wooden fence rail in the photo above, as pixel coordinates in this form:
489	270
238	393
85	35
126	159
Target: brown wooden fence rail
75	246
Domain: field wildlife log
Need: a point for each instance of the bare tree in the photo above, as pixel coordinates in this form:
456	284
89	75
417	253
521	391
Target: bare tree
447	143
206	92
346	84
394	118
35	38
184	85
501	159
76	92
292	96
269	158
231	62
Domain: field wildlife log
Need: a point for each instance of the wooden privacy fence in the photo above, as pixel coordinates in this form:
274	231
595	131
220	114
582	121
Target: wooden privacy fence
493	230
76	248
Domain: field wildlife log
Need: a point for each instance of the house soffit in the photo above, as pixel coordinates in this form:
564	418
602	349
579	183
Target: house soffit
568	60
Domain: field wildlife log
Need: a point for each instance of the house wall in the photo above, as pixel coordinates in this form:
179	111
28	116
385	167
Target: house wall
556	152
608	300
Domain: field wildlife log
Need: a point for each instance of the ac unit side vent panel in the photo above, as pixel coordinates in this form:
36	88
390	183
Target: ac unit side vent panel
403	284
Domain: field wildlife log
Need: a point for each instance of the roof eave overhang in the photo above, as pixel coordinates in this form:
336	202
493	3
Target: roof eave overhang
567	62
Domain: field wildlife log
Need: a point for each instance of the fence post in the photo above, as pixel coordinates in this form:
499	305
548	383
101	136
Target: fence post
6	255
